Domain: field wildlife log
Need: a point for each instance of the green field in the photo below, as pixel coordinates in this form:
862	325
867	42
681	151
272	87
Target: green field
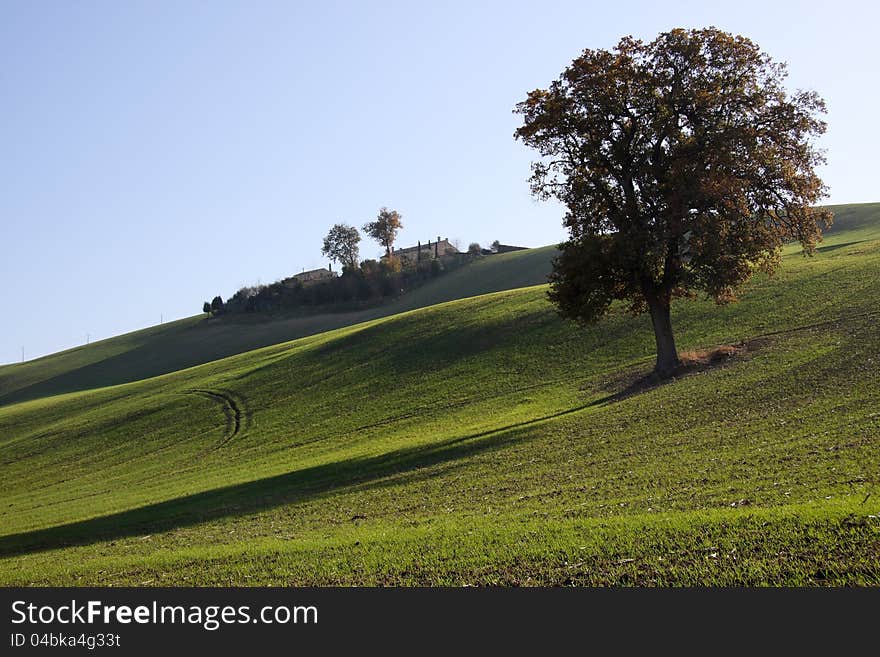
474	441
193	341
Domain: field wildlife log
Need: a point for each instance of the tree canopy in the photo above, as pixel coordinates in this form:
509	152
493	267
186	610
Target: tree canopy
684	165
385	228
217	305
341	245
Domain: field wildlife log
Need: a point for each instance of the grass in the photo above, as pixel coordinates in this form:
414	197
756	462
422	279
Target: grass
195	340
479	441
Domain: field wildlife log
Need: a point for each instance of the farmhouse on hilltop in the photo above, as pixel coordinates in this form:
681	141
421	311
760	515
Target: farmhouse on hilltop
310	277
438	249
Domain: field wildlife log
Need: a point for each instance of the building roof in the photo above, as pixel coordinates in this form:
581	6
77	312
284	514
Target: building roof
308	276
425	246
312	273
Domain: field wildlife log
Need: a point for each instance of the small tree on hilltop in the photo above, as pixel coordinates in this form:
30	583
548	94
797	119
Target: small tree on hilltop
475	248
206	307
683	164
384	230
341	245
217	305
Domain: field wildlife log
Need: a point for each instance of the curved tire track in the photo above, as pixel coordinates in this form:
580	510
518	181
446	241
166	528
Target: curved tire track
233	409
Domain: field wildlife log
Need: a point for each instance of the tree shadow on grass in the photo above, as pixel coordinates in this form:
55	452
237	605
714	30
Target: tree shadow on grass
262	494
834	247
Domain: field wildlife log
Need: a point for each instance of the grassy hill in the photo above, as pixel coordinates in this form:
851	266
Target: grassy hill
477	441
195	340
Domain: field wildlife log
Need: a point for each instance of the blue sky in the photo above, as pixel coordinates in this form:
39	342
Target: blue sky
158	153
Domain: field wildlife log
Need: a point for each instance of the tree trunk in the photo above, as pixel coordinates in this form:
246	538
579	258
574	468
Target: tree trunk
667	354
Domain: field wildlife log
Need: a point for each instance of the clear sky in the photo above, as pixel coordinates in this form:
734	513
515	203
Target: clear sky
155	154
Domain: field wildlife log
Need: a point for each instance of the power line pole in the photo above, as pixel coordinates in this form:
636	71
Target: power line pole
88	337
22	354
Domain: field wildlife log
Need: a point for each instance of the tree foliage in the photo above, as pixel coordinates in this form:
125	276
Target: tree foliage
683	164
217	306
385	228
341	245
364	286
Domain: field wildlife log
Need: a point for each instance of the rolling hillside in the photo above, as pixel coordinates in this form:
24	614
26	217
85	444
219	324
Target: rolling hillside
196	340
475	441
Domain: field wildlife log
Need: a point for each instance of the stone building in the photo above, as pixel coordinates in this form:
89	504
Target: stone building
428	251
310	277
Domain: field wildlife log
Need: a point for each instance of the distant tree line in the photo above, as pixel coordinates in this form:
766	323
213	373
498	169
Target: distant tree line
361	283
371	281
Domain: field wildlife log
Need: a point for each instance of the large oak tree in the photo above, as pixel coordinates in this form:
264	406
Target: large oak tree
684	166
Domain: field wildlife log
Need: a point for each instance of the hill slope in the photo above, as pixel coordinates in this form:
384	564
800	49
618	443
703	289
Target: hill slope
479	441
195	340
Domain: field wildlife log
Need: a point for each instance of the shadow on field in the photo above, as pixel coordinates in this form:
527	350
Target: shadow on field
262	494
176	348
834	247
